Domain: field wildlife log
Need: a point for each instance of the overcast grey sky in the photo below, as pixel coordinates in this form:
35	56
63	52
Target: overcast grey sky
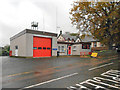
17	15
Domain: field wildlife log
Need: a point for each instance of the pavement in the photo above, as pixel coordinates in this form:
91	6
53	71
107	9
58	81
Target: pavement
55	72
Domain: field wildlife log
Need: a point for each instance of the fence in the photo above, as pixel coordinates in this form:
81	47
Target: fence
85	53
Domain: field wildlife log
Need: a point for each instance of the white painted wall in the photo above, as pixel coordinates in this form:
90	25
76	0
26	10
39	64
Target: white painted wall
92	44
98	44
21	43
65	49
79	49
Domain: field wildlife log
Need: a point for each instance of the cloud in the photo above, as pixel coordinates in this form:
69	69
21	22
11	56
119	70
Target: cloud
17	15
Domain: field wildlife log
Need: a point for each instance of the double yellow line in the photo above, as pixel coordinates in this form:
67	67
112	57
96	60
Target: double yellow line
20	74
23	73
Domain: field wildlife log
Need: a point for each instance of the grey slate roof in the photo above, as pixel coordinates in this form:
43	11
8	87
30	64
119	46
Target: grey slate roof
85	39
88	39
66	36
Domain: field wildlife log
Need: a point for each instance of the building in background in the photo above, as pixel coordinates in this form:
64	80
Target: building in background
72	45
33	43
96	45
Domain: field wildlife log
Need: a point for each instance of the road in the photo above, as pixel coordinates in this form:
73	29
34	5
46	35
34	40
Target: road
54	72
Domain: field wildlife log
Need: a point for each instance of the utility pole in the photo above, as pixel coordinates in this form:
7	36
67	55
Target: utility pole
56	18
43	22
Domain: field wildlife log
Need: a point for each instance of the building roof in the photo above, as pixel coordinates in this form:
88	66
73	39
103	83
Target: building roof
88	39
66	36
33	32
73	42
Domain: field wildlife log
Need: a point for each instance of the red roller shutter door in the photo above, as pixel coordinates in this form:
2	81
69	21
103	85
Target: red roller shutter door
41	47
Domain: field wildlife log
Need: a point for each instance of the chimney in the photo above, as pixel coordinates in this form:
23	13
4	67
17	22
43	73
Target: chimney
60	32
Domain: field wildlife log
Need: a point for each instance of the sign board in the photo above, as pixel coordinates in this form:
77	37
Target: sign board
94	54
54	49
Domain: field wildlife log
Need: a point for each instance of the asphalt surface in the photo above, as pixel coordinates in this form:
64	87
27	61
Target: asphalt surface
54	72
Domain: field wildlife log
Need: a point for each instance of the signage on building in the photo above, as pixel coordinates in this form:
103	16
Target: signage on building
94	54
54	49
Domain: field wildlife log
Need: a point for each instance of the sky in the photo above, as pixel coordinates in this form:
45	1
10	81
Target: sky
17	15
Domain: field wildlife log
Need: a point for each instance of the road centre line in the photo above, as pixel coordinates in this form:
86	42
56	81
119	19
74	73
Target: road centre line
49	81
22	73
100	66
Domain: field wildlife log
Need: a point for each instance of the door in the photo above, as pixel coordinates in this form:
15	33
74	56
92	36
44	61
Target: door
41	47
16	52
69	50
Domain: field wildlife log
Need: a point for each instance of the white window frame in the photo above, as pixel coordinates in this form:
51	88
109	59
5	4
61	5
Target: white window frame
62	49
59	48
74	48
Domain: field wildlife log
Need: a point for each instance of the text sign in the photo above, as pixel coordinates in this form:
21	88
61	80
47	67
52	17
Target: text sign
54	49
94	54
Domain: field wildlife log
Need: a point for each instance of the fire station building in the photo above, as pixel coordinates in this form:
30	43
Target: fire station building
33	43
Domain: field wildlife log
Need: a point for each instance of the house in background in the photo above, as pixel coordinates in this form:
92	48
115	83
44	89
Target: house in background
72	45
96	45
67	37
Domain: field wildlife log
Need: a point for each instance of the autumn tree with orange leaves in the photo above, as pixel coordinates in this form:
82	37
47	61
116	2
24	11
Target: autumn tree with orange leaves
100	19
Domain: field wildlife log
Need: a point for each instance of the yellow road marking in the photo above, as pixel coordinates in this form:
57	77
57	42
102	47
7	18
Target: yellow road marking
19	74
28	72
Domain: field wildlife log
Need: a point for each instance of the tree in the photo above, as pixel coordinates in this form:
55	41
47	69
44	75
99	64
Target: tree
4	51
100	19
73	34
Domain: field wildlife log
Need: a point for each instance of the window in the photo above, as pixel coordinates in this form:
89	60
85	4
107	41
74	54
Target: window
16	47
85	46
62	48
34	47
88	46
74	48
69	48
102	45
39	47
44	48
59	48
48	48
95	44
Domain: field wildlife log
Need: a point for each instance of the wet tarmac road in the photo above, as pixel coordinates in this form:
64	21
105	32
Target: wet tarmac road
53	72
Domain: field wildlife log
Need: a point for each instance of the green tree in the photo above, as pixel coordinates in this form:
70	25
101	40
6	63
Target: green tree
73	34
5	50
100	19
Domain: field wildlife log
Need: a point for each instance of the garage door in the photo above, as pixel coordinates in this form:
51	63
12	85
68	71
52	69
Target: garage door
41	47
